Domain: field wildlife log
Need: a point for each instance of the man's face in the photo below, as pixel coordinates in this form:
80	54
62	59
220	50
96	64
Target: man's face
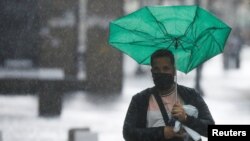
162	65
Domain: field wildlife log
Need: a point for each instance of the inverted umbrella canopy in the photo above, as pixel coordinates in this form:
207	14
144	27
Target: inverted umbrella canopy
193	34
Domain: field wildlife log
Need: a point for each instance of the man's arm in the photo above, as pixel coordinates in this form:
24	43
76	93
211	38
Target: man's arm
131	132
204	119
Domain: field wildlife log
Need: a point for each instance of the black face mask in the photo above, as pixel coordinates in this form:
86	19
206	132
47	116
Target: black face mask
163	81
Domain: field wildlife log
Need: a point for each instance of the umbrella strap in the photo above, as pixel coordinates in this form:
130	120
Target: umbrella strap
164	113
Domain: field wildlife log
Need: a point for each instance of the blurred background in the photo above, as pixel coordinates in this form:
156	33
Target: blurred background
61	81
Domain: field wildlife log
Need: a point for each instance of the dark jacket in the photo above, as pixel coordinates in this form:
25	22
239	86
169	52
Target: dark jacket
134	128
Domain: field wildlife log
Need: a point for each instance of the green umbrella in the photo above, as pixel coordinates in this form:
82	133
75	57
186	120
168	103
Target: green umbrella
193	34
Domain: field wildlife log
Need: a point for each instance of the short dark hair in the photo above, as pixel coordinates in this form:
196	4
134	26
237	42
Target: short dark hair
163	53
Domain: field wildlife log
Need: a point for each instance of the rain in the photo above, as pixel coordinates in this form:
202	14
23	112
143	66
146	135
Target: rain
60	80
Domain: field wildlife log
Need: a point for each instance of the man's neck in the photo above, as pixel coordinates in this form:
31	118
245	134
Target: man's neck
167	91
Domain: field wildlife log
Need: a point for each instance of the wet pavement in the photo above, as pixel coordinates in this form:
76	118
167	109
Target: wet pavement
227	94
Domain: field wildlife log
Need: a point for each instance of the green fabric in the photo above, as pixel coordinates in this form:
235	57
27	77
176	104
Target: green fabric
190	32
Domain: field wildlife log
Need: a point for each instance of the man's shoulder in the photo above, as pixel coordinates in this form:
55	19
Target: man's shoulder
182	87
186	90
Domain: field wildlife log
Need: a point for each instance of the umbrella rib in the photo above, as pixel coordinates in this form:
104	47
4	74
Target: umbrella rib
165	32
212	37
205	32
156	44
170	45
165	42
202	35
132	31
134	43
185	41
196	11
182	47
221	50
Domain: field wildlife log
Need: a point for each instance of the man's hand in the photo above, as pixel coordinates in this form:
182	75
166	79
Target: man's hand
169	133
178	112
